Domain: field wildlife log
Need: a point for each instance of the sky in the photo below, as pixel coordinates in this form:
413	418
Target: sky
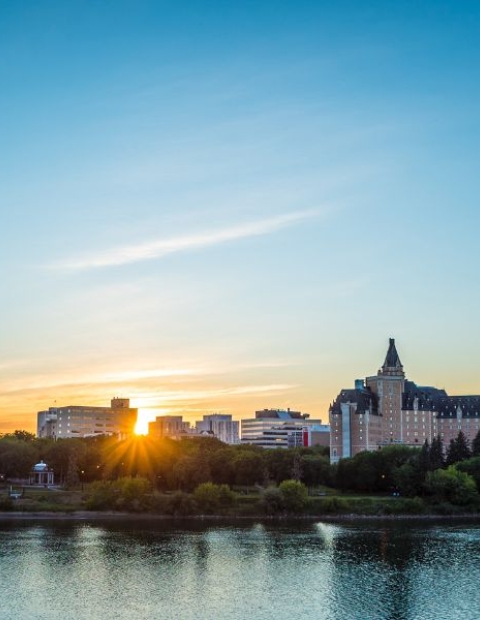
223	207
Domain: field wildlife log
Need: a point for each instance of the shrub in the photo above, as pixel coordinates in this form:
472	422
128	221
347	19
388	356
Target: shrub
131	494
180	504
212	498
452	486
271	501
294	495
334	505
6	504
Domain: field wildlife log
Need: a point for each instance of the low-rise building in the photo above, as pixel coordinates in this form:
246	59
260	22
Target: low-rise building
276	428
85	421
171	426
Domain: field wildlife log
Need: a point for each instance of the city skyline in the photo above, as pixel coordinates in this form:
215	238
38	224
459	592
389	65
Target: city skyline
212	208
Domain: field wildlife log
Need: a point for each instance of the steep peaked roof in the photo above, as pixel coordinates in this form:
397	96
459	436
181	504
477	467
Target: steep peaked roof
392	359
364	398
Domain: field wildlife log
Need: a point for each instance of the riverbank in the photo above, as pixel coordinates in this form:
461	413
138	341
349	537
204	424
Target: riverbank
88	515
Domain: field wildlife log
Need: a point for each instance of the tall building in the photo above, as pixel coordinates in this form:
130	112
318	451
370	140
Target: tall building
276	428
389	409
84	421
388	386
355	422
221	426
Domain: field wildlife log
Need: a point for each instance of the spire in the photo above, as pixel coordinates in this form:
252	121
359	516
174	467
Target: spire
392	361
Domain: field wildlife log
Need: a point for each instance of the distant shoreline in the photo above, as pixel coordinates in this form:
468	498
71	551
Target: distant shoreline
84	515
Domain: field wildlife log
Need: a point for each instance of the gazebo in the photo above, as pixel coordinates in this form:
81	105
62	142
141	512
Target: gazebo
40	475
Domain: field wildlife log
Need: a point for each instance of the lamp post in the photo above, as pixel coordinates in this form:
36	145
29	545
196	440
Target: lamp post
81	474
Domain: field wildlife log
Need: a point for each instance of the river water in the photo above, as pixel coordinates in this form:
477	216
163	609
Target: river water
155	570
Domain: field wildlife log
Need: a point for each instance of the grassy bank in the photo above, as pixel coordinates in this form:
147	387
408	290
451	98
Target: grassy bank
252	503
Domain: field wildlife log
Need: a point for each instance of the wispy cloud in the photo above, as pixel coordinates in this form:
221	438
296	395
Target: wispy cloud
65	381
162	247
169	396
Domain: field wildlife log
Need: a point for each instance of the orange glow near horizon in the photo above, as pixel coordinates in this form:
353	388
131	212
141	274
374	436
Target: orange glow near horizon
144	417
141	428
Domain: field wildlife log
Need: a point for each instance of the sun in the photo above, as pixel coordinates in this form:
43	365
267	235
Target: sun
143	418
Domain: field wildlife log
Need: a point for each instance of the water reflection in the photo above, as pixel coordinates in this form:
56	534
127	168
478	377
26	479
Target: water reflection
260	571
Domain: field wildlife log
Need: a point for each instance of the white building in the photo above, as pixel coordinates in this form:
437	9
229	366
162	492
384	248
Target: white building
221	426
277	428
85	421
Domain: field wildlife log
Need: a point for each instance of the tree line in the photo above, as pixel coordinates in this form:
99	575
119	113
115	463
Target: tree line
169	465
432	473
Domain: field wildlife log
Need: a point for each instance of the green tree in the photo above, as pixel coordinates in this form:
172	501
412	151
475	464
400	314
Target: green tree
407	480
212	498
249	467
294	495
437	458
180	504
316	470
17	457
272	501
424	458
476	445
133	494
472	467
458	450
20	435
452	485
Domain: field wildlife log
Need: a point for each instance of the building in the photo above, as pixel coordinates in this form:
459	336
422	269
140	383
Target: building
221	426
41	475
47	423
309	436
389	409
355	422
84	421
171	426
276	428
388	385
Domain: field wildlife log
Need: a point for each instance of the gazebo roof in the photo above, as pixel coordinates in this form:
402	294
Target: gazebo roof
40	467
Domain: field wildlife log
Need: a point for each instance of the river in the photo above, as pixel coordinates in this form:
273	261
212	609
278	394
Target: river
204	570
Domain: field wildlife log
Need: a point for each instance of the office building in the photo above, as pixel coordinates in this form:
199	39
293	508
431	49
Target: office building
85	421
171	426
276	428
220	426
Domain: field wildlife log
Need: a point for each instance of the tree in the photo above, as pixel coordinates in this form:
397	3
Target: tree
212	498
408	479
476	445
294	495
72	471
249	467
436	453
452	485
297	467
17	457
458	450
472	467
20	435
272	500
424	458
316	470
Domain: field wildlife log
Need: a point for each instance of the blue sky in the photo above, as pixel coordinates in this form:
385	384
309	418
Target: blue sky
217	207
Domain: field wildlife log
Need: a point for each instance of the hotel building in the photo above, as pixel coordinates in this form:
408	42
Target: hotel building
388	409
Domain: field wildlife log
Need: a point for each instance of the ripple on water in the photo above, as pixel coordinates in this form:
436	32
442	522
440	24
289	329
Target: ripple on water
256	572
